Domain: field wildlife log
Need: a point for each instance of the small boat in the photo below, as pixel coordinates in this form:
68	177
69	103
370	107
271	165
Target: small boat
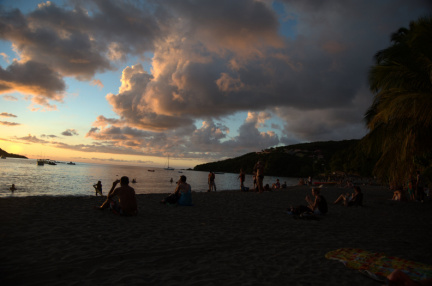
3	157
40	162
71	163
52	163
151	170
169	168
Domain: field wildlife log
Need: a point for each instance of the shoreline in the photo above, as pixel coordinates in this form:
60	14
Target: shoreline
226	238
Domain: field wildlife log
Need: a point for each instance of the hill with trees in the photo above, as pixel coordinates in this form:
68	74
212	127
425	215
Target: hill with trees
301	160
6	154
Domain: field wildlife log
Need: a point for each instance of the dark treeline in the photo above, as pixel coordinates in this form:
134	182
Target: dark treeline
6	154
302	160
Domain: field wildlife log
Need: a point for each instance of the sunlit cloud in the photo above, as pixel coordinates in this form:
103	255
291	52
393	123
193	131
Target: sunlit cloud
209	60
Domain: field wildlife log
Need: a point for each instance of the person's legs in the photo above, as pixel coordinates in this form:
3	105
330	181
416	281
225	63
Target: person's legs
260	184
340	198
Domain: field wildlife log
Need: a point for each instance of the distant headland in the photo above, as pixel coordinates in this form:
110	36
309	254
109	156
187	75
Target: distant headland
5	154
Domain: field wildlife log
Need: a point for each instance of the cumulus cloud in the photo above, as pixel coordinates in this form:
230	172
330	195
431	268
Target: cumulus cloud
306	64
70	132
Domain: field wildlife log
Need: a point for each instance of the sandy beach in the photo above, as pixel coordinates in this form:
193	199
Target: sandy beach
226	238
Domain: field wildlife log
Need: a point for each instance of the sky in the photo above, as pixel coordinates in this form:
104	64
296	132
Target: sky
136	82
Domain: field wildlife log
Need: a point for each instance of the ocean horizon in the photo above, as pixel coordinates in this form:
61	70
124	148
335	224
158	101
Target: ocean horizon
77	180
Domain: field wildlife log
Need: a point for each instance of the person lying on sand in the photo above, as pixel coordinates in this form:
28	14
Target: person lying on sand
127	204
356	199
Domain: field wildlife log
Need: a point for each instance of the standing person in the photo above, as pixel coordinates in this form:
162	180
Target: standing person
98	188
259	169
12	188
127	204
410	188
211	181
242	179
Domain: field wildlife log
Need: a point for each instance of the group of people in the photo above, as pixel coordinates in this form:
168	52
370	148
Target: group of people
413	190
127	203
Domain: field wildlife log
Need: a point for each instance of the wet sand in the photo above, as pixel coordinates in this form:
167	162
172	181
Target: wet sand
226	238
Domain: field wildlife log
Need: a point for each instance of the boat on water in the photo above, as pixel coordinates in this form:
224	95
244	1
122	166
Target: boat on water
40	162
71	163
3	157
168	167
151	170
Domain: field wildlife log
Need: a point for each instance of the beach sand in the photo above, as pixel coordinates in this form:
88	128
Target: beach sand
226	238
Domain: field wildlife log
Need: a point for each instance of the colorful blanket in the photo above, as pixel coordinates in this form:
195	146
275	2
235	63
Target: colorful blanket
379	263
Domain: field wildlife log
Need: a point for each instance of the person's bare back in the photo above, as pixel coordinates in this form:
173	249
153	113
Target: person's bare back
127	199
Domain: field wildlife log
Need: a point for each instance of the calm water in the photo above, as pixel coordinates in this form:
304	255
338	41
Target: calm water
78	180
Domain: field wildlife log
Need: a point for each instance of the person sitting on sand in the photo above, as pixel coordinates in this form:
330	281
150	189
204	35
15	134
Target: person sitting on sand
127	203
182	194
12	188
399	195
319	204
98	188
356	199
276	185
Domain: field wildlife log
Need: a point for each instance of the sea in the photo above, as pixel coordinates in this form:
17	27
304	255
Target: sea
78	180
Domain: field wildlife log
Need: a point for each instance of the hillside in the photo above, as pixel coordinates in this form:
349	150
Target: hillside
6	154
301	160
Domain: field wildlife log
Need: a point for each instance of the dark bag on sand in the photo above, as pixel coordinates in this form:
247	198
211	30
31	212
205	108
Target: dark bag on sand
171	199
298	210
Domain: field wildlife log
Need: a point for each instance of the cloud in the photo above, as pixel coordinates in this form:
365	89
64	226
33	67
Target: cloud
70	132
5	57
10	98
6	123
33	78
5	114
305	64
49	136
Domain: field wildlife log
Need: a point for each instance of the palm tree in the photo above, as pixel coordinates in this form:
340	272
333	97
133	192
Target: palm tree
400	117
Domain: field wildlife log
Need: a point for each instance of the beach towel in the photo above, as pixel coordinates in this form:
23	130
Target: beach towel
378	265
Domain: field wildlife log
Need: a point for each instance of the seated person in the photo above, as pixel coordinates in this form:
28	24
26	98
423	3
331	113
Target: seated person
284	185
316	206
399	195
182	194
276	185
127	204
319	204
356	199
